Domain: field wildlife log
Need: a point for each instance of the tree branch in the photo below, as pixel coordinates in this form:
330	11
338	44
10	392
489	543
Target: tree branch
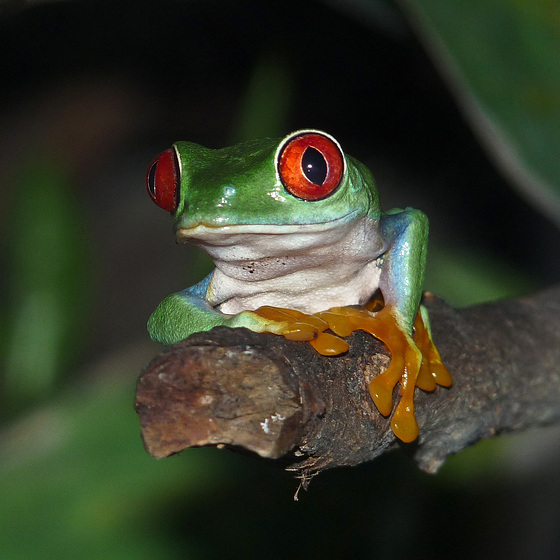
279	398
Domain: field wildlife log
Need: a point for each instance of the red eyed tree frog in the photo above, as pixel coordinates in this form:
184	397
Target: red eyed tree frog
301	247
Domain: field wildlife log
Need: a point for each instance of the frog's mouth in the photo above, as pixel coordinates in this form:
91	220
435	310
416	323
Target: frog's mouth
251	253
230	234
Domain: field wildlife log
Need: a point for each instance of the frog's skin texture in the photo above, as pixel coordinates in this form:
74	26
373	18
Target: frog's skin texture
300	245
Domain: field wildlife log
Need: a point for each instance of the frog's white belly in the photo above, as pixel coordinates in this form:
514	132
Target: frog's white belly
310	267
310	290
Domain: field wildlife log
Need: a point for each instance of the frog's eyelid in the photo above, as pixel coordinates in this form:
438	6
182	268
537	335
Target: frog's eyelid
179	171
178	161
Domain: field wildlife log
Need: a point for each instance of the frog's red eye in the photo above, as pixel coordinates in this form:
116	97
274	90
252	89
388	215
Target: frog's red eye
311	166
162	180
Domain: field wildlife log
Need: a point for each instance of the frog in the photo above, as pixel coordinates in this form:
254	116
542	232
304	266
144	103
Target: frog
301	249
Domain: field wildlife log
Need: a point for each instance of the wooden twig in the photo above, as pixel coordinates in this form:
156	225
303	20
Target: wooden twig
280	399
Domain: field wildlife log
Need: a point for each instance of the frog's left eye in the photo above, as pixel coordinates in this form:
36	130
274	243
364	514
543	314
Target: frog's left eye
162	180
310	166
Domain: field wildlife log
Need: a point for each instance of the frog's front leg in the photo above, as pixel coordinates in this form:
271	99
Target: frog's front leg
184	313
401	281
402	324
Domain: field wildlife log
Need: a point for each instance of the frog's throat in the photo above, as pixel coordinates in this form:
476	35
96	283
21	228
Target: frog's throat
292	266
210	233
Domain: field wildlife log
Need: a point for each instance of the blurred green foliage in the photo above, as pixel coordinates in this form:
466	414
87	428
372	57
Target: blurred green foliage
266	101
76	482
48	281
468	277
502	58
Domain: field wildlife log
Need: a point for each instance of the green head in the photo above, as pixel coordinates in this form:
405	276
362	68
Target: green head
302	179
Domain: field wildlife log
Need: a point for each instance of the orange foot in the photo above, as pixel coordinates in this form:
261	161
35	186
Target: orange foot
415	361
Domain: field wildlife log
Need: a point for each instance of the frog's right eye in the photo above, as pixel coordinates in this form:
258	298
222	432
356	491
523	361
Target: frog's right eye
162	180
310	165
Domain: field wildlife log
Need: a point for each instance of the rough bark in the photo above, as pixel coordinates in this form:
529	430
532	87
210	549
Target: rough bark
281	400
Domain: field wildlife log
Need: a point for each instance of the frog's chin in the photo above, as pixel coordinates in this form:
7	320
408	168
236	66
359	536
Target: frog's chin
213	233
252	253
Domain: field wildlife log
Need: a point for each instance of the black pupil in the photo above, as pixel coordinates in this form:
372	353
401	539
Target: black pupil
314	166
152	180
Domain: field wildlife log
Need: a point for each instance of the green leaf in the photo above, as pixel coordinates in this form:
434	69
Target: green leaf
502	60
